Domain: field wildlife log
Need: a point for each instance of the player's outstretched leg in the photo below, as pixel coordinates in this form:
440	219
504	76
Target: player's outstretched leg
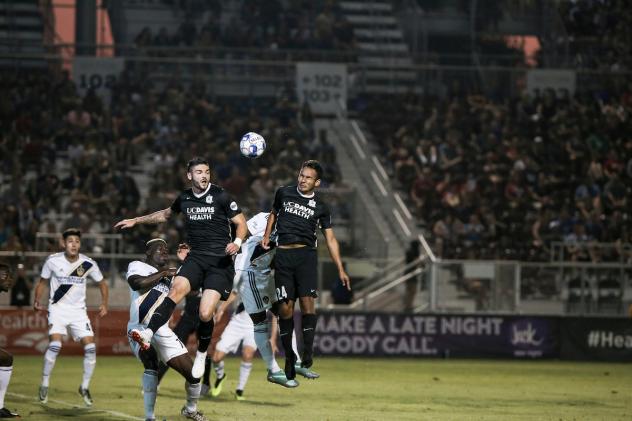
54	347
180	287
142	337
6	368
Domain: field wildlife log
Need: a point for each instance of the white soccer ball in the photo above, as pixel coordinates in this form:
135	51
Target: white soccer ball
252	145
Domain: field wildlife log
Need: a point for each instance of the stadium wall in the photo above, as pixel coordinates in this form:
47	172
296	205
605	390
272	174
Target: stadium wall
24	332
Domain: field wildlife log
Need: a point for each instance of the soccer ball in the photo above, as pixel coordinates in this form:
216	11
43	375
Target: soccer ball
252	145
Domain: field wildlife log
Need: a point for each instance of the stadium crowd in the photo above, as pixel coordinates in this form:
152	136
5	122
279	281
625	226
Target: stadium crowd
72	161
504	179
599	33
260	24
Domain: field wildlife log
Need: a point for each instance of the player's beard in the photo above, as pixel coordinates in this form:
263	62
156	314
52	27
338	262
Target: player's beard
199	186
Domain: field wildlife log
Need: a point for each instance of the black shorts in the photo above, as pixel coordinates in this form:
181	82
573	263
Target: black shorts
296	273
209	272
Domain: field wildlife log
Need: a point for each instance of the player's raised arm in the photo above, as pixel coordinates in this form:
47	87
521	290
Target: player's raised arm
152	218
334	252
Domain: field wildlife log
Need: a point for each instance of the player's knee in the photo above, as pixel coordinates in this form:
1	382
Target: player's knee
54	347
149	359
258	318
6	359
286	311
248	354
191	380
206	314
218	356
90	351
179	289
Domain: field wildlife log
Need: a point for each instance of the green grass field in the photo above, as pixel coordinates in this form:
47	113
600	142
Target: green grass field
349	389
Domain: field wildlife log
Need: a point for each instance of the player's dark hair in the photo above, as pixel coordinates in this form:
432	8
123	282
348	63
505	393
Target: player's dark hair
315	165
71	231
197	161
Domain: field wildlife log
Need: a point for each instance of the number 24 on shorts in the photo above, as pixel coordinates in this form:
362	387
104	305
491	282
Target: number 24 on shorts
281	293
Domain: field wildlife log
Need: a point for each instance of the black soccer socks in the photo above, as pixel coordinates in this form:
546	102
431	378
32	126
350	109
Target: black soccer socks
161	314
309	328
286	328
204	334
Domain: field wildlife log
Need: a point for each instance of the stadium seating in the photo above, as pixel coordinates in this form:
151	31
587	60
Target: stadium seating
82	162
501	180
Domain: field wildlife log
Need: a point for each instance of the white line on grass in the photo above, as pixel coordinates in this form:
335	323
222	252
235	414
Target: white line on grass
72	405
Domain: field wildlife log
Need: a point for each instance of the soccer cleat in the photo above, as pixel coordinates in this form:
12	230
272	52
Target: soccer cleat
239	395
305	372
43	394
279	378
5	413
204	389
141	337
85	394
217	387
192	415
198	365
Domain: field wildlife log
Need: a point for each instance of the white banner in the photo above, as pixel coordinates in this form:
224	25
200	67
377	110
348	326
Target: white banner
557	80
98	73
322	85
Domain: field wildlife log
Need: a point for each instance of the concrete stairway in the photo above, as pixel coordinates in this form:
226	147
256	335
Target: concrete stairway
383	53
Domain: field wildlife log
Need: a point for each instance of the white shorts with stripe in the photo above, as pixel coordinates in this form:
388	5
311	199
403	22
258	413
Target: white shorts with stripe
164	341
239	328
64	319
257	291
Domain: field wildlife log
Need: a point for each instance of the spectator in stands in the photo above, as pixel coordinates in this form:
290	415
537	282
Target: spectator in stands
21	290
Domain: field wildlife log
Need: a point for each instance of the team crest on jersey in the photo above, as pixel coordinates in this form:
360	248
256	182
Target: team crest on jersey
80	270
266	299
233	206
311	203
209	199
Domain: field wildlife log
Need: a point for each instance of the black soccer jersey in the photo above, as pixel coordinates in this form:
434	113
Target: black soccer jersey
298	216
207	219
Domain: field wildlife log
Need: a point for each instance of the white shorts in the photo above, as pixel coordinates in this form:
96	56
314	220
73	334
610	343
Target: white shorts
164	341
240	328
62	320
257	291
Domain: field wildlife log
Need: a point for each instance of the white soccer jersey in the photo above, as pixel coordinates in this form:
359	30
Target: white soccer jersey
253	257
68	279
142	305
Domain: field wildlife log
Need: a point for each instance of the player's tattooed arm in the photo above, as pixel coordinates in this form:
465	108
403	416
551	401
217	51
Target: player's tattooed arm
152	218
140	283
